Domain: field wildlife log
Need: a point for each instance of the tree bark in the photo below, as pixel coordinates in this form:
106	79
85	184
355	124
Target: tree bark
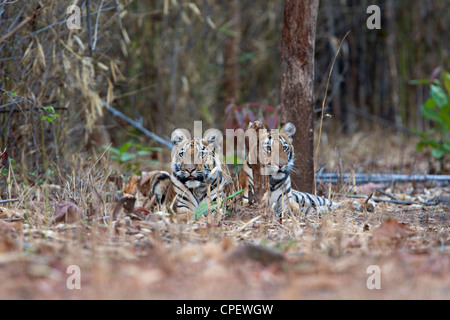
260	173
230	81
297	79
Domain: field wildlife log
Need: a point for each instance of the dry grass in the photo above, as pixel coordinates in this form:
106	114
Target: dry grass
321	256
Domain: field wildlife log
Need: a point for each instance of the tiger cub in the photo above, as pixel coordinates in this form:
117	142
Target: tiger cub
278	151
197	172
197	176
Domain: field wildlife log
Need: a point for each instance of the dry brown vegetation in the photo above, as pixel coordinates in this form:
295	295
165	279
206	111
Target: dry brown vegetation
248	254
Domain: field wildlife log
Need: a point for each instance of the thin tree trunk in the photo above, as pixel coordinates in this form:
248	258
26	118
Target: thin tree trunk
297	79
231	54
392	59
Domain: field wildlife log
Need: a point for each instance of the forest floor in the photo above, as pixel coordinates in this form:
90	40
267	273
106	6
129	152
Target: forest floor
248	254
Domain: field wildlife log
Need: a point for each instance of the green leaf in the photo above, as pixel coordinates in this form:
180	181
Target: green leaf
112	150
437	153
144	153
125	147
234	194
125	156
47	118
430	103
430	113
154	162
429	142
49	108
419	81
444	115
202	210
228	32
233	159
447	81
439	96
446	146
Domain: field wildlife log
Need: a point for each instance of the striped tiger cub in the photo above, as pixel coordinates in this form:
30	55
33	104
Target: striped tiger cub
278	151
197	172
197	176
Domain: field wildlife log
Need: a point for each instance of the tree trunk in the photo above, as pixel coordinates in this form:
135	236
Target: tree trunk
231	54
260	173
297	79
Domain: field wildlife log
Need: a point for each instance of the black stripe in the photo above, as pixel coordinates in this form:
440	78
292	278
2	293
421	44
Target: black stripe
163	176
312	203
183	206
184	191
319	199
182	197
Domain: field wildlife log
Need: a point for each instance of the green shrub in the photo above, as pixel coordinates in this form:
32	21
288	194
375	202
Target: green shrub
437	110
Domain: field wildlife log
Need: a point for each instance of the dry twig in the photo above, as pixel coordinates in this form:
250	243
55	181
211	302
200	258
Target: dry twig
20	25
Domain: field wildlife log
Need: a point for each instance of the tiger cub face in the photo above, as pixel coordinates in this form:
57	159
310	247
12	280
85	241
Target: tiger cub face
195	162
278	152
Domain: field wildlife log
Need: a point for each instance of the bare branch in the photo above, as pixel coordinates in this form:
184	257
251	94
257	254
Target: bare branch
405	202
137	125
96	26
89	23
19	26
118	13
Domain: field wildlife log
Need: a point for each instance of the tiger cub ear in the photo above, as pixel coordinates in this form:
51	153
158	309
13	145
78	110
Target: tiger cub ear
257	124
214	138
180	135
288	129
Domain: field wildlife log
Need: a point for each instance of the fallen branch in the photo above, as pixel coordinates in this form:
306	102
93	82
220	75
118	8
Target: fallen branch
138	126
382	178
8	200
30	109
13	219
396	201
387	194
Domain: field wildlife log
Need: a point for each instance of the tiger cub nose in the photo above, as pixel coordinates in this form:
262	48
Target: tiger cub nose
281	164
190	169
